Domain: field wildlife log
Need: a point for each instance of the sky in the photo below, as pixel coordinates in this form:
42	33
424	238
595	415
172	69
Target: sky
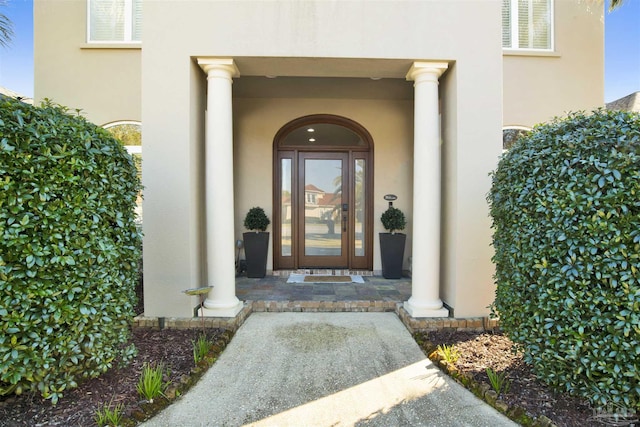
622	49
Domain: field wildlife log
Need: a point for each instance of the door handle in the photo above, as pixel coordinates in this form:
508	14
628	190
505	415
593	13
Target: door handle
344	223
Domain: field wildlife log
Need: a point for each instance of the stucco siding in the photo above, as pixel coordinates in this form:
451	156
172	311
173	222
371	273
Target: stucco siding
296	58
538	87
390	123
104	83
319	29
340	39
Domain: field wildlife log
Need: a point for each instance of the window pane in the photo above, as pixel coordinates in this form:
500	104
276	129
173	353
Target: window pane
127	133
130	135
322	207
534	24
511	135
523	24
360	190
136	22
506	23
285	207
107	20
541	20
115	20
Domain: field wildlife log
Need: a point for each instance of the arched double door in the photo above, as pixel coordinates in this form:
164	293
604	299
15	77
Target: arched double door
323	186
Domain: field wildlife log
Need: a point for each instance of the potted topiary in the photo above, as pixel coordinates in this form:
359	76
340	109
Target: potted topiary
256	242
392	243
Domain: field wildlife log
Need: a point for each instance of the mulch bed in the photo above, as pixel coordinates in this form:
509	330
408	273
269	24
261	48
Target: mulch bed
78	406
479	351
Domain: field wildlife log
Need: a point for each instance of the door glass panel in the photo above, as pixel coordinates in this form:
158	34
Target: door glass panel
322	207
359	190
285	207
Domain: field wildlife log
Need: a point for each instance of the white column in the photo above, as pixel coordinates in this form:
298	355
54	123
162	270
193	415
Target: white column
425	281
220	239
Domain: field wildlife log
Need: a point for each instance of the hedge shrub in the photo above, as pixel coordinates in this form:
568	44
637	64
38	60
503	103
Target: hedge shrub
565	203
69	249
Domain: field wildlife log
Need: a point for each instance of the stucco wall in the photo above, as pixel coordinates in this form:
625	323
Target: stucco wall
321	39
470	150
338	39
538	87
105	83
390	123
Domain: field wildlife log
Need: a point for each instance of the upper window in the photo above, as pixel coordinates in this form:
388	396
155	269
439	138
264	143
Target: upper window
527	24
118	21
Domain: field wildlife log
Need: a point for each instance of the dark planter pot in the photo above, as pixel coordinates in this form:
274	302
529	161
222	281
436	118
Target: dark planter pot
256	249
392	252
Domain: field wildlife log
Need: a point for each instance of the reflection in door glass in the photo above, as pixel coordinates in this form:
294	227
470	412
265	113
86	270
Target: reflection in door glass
359	174
285	208
322	207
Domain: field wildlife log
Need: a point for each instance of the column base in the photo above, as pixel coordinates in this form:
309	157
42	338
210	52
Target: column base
416	312
213	310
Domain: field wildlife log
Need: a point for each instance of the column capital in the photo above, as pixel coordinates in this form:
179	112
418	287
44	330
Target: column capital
424	68
227	66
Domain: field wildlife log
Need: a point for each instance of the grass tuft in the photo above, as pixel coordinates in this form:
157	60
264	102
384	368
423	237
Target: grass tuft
108	415
449	353
499	381
201	348
151	383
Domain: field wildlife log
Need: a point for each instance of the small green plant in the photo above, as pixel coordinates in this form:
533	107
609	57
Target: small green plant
200	348
393	219
151	383
108	415
256	219
499	381
449	353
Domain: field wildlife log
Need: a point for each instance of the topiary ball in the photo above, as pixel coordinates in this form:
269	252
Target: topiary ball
393	219
565	203
256	219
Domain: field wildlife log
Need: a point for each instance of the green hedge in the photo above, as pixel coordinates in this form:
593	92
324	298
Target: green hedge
565	204
69	249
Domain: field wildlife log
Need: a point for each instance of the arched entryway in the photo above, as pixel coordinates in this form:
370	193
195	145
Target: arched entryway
323	186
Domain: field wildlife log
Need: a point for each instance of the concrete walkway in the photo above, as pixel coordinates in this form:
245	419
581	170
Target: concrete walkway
326	369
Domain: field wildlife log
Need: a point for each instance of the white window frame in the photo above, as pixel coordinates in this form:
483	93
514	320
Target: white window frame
515	33
128	27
